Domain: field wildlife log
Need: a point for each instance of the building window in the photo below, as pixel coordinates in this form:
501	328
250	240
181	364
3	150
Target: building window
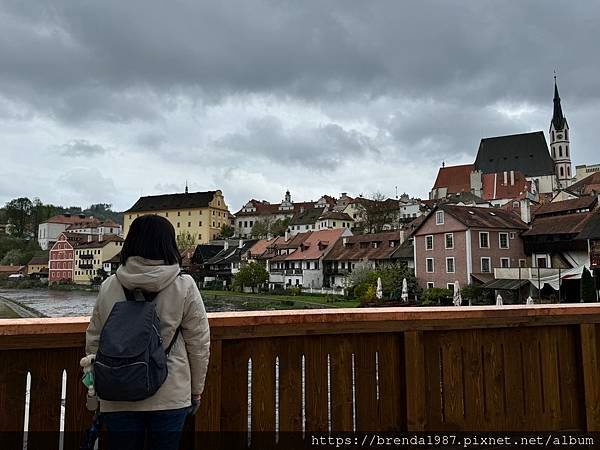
450	265
484	239
167	214
562	171
429	242
512	234
522	263
189	224
569	171
178	224
439	218
450	286
503	240
486	265
560	150
178	213
567	150
449	240
430	266
430	285
505	263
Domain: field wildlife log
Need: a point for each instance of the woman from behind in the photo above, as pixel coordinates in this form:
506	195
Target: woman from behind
150	267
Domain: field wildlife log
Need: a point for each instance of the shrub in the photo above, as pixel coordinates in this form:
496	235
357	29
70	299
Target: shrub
588	291
370	295
295	291
435	296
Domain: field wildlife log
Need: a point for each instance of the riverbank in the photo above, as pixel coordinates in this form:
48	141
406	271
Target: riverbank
303	301
10	309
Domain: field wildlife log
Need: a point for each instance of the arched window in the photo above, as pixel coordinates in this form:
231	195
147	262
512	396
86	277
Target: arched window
562	171
553	135
569	171
560	150
566	134
553	152
567	150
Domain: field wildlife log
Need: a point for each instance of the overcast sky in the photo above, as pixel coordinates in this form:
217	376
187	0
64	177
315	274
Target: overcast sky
102	101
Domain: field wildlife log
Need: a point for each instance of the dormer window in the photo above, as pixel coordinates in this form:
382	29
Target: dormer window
439	218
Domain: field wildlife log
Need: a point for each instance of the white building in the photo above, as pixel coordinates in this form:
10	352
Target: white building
50	230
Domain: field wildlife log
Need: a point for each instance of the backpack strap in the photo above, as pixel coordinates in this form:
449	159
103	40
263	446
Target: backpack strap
168	349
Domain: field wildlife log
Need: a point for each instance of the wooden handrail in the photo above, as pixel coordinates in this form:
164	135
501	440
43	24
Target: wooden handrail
236	325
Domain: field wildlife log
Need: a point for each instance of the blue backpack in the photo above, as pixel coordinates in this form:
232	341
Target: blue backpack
131	362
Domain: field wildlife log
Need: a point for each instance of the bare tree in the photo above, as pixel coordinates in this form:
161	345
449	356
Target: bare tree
377	213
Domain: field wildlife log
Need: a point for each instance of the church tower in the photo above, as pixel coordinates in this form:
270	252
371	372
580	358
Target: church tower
560	144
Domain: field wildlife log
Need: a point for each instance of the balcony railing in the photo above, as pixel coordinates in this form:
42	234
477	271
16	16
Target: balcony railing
86	256
86	266
533	368
337	271
293	271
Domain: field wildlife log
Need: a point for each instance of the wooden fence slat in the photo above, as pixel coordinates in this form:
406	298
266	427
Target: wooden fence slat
45	399
591	374
550	375
315	355
493	366
263	393
572	391
77	417
514	380
416	408
365	348
340	352
290	385
452	379
473	374
392	382
234	398
13	379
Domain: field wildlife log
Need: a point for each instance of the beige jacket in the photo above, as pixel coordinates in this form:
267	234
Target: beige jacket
179	303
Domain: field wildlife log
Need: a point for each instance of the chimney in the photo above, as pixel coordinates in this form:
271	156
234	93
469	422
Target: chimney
226	245
512	177
241	243
89	238
525	210
287	236
344	241
505	178
100	236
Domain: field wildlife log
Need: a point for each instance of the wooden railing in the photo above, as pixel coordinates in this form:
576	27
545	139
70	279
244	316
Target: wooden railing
386	369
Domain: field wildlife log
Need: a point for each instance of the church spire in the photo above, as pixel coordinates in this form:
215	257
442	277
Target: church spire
557	118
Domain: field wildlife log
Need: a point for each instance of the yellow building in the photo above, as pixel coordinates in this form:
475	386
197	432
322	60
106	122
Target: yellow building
38	265
91	255
199	214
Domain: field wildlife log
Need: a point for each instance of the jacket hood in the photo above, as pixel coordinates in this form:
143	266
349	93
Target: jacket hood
146	274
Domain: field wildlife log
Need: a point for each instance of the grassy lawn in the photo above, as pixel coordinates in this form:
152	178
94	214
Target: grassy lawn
309	299
6	312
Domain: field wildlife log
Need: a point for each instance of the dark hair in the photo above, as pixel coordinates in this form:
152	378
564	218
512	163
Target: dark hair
151	237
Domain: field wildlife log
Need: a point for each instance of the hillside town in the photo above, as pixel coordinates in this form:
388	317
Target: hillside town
518	222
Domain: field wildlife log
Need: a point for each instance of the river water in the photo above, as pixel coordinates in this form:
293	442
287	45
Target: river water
52	303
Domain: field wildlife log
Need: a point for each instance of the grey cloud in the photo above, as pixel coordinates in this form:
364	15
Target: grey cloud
320	148
81	147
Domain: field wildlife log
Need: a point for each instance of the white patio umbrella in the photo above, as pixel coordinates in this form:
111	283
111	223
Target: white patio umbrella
404	291
457	298
379	293
529	301
499	300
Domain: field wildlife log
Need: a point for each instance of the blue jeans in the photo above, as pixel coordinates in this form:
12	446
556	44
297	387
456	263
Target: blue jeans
127	429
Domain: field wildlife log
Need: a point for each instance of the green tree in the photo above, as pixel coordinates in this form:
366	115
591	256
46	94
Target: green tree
280	226
262	228
18	215
252	275
186	240
435	296
227	231
588	290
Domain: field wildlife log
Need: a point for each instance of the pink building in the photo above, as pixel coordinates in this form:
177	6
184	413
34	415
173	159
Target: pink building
61	260
455	242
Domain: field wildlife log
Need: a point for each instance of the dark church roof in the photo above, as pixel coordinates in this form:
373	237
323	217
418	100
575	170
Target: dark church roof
558	119
527	153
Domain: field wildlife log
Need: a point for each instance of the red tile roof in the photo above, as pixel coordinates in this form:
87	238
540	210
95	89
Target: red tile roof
566	206
360	247
588	185
454	178
495	188
265	208
72	219
315	245
11	269
567	224
485	217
